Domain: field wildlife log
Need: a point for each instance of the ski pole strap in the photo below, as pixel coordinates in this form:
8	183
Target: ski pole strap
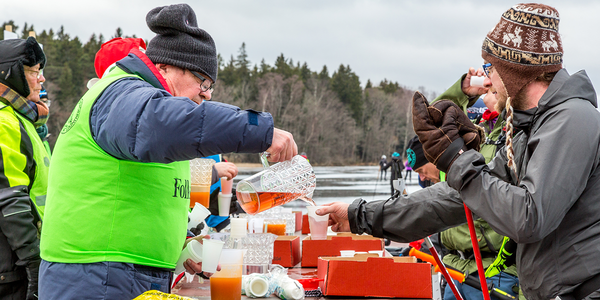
504	259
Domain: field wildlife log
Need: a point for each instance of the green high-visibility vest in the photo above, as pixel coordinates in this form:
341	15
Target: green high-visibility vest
39	185
101	208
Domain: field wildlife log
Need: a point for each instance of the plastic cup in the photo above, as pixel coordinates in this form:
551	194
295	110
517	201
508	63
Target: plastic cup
224	204
197	216
256	225
477	81
192	250
227	283
211	253
226	186
239	227
318	224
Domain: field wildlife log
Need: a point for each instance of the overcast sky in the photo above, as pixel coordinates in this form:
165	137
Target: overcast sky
415	43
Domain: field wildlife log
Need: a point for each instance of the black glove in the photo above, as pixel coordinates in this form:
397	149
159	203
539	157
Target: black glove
444	130
32	270
234	207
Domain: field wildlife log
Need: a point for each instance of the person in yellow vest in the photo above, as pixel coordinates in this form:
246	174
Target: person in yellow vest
43	130
24	166
119	186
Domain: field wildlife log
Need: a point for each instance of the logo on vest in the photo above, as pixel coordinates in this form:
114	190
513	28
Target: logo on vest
73	118
182	188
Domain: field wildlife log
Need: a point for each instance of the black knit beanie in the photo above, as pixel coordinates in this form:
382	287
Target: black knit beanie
179	42
415	154
14	54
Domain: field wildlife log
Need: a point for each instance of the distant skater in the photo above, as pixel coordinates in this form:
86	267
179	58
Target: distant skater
383	166
408	170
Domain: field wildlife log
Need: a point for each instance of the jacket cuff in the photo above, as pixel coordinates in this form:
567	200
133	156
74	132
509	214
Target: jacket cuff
355	210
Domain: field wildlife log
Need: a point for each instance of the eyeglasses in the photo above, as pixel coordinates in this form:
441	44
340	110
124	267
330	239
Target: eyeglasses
487	69
38	73
205	82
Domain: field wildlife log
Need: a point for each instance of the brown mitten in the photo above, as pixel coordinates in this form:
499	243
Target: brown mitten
444	130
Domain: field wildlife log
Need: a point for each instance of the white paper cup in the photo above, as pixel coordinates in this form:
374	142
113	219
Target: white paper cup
318	224
477	81
211	253
224	203
197	216
239	227
192	250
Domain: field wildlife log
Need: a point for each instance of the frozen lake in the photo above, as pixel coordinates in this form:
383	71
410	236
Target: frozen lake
344	184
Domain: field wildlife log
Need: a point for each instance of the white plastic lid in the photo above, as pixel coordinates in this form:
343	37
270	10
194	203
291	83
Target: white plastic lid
238	227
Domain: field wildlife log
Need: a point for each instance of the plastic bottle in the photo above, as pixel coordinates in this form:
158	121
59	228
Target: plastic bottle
285	287
288	288
256	285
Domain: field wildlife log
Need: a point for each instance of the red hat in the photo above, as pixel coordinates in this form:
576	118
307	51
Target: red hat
113	51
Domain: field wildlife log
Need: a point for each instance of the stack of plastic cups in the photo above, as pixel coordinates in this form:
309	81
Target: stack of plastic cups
225	196
192	250
197	216
239	228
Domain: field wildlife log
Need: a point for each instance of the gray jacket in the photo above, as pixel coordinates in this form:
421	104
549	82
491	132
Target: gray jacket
552	209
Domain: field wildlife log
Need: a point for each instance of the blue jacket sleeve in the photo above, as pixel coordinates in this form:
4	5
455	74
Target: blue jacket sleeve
133	120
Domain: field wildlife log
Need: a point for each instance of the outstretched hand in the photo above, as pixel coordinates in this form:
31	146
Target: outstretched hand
338	216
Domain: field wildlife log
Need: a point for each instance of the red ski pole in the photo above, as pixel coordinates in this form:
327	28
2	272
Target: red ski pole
480	270
443	269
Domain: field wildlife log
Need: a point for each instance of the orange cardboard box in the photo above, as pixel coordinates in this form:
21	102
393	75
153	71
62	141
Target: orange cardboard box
373	276
305	227
286	251
312	249
298	221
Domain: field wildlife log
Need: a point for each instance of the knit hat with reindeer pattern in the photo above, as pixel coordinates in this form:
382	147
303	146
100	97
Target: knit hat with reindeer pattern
524	44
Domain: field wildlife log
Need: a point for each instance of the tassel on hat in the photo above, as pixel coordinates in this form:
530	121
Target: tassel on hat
522	46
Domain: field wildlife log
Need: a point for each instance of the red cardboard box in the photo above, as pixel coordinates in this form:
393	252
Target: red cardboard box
298	221
286	251
305	227
312	249
368	276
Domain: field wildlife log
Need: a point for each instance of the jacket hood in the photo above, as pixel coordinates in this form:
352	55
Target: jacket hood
562	88
565	87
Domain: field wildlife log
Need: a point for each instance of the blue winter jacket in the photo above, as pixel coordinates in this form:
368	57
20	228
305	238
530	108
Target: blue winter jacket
139	120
